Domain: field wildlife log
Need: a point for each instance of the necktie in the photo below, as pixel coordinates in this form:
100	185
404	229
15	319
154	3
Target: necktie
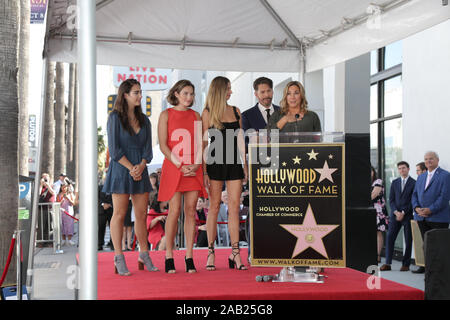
428	179
403	184
268	114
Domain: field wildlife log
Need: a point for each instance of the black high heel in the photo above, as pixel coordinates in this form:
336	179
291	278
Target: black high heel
211	267
231	262
190	268
170	265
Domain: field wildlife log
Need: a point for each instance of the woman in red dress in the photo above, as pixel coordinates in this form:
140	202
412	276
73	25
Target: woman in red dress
180	140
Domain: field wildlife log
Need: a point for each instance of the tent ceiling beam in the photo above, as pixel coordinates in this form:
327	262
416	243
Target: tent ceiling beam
102	3
281	23
183	43
347	23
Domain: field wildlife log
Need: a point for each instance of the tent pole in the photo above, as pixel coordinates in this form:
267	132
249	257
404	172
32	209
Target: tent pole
37	176
88	148
301	74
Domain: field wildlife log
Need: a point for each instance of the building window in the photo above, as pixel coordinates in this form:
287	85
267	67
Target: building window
386	138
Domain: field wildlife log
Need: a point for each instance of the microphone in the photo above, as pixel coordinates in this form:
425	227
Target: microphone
266	278
296	128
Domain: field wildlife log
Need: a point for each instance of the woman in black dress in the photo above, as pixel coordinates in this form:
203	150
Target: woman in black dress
225	163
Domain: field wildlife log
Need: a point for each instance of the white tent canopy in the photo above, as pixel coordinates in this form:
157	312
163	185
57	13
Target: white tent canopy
237	35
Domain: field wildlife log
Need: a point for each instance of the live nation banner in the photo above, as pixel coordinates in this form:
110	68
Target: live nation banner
297	206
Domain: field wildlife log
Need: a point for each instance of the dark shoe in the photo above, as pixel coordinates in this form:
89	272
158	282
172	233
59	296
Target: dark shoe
404	268
190	268
170	265
385	267
235	252
420	270
211	267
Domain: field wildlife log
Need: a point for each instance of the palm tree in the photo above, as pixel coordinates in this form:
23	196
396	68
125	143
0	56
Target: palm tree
60	121
24	57
70	121
48	147
9	119
101	148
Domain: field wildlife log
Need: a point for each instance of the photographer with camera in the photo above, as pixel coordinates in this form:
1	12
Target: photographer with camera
46	195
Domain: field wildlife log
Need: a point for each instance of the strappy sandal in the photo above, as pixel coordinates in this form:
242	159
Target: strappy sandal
211	267
235	251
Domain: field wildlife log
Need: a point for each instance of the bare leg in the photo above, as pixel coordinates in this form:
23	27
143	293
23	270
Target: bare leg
172	223
120	205
379	242
124	236
190	203
234	190
215	192
140	204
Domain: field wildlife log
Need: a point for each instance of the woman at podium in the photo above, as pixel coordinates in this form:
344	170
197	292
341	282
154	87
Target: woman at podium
294	115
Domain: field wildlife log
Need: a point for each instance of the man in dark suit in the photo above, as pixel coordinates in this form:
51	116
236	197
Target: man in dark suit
430	198
257	117
105	212
401	215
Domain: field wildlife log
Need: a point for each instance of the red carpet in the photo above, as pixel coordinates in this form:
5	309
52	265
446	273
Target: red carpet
227	284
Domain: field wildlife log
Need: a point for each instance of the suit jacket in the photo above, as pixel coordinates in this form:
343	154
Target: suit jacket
401	201
435	197
253	119
104	198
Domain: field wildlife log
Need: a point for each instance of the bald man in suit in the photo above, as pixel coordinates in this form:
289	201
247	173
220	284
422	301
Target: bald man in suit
431	196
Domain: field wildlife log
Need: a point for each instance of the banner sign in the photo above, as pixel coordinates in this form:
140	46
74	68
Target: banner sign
297	208
32	130
149	78
37	11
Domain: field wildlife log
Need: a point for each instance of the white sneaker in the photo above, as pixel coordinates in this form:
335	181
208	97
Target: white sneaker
71	242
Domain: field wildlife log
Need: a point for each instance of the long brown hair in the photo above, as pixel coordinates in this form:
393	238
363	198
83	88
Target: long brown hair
303	104
121	106
216	100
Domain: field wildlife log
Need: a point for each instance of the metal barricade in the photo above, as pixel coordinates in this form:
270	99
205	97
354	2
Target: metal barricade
48	227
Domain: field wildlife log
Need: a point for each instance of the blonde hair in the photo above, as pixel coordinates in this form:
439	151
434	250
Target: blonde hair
216	101
303	104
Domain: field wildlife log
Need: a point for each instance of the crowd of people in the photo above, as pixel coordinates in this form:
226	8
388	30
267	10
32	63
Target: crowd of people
62	191
211	188
425	200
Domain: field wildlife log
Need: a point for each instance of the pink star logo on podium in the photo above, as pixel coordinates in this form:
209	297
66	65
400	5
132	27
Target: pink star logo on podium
325	172
309	234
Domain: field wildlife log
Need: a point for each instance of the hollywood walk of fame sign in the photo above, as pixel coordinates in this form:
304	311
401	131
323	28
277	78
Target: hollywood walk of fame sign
297	206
